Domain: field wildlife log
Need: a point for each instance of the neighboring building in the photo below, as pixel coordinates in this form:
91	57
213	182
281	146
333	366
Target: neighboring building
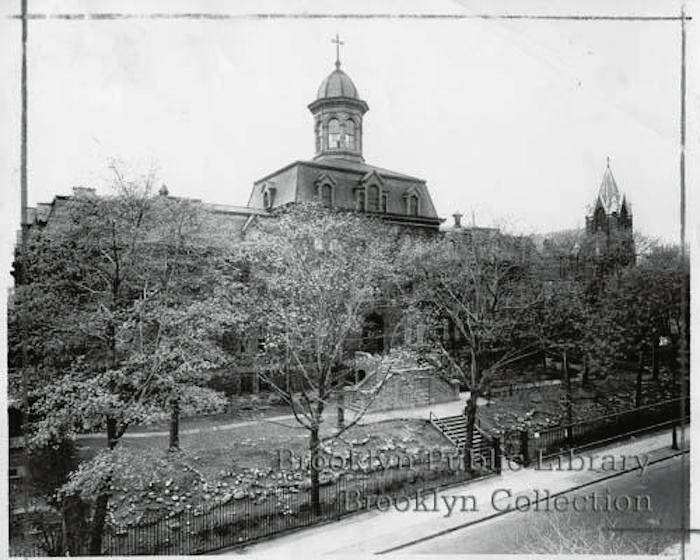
605	244
609	239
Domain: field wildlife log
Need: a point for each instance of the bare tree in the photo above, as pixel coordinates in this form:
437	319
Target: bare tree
482	287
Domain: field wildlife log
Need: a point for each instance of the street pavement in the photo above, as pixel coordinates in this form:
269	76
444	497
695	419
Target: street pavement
393	531
649	528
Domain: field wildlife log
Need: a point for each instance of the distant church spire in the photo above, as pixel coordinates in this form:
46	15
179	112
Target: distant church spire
337	42
608	192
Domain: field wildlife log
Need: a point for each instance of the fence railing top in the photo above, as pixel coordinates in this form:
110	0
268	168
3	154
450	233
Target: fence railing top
614	414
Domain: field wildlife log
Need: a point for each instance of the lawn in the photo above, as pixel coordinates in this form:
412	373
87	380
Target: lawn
244	462
544	407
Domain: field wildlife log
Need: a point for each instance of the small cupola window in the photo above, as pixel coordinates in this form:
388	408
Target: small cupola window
349	141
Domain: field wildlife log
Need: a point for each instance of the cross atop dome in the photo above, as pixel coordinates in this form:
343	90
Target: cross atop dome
337	42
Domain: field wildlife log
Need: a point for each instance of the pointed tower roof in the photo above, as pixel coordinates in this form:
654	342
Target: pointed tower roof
608	193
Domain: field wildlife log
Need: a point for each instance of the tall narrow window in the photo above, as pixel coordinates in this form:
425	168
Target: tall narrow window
349	134
412	205
385	203
360	200
373	198
319	137
333	133
327	195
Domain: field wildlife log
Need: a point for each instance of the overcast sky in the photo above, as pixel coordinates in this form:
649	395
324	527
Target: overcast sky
510	119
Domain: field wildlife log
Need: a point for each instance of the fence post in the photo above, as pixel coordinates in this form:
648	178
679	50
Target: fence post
497	454
674	437
525	447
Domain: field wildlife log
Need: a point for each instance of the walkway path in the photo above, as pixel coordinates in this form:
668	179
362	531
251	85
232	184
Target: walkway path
441	409
374	531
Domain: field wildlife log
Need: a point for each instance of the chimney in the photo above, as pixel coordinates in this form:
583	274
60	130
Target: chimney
163	191
83	191
458	219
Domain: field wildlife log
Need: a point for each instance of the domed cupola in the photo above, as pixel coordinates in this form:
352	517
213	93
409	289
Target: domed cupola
338	112
337	84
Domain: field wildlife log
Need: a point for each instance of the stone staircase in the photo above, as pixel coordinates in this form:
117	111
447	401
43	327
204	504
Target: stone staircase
454	428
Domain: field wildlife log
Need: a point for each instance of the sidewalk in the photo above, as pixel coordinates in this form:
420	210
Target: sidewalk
450	408
374	531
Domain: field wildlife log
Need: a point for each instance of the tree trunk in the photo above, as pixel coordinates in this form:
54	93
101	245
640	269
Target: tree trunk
314	449
567	388
470	425
585	379
471	415
256	384
655	359
638	390
98	518
175	425
673	365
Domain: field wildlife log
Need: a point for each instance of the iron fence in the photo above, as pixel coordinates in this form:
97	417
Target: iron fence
543	444
240	521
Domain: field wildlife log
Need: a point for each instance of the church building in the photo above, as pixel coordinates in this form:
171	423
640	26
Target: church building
609	237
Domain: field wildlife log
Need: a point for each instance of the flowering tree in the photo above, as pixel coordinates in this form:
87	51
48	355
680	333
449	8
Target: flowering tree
315	274
132	325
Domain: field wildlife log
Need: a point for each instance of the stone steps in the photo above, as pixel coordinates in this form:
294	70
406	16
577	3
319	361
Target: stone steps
455	429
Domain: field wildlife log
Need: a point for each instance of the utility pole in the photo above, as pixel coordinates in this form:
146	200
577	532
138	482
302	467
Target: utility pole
23	242
683	358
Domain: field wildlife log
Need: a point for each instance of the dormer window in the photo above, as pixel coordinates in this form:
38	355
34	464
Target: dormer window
325	185
412	205
333	134
360	200
373	198
327	195
268	197
385	203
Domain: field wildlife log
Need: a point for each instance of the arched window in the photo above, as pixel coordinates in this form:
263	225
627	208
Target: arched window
412	205
327	195
333	133
349	134
373	198
385	203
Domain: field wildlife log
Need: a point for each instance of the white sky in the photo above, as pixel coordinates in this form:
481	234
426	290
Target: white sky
513	119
